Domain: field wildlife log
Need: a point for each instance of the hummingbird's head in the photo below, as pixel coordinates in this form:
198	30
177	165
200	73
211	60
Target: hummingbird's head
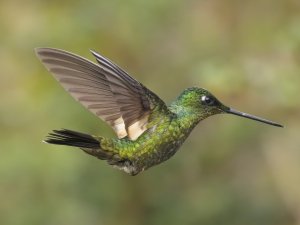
201	102
204	104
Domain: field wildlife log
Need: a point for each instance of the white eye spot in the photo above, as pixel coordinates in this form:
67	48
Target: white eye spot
207	100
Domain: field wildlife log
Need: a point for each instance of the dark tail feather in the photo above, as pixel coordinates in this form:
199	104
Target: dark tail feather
72	138
87	143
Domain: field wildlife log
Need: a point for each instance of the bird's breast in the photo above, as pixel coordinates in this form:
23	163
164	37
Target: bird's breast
160	142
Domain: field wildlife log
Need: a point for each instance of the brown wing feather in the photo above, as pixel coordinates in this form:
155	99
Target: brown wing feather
104	89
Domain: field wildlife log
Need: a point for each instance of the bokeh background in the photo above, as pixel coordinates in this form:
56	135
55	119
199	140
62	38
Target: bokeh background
230	171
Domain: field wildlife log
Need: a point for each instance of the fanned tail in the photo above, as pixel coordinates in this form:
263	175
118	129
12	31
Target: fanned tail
72	138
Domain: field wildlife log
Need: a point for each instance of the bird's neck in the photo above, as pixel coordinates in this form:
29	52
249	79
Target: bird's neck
187	117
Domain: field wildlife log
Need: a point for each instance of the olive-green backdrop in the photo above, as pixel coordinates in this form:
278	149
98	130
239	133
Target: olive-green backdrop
230	171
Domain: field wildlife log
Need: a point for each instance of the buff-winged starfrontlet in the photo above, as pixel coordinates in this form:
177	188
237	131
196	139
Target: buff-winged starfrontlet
148	131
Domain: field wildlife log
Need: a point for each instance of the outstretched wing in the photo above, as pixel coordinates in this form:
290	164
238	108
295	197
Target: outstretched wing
105	89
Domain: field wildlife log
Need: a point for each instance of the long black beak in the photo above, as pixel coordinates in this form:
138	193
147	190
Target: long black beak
246	115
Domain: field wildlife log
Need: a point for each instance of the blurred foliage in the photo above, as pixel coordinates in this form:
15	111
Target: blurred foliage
230	171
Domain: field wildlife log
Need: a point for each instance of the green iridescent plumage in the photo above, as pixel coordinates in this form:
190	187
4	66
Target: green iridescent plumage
148	131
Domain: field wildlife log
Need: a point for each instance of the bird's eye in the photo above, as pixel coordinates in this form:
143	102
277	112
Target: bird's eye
207	100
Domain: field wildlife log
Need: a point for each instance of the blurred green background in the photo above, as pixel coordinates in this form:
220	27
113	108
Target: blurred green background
231	171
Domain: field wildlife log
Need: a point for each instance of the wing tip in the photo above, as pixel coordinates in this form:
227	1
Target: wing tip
38	51
94	53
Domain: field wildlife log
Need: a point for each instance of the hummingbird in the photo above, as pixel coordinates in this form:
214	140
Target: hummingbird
148	131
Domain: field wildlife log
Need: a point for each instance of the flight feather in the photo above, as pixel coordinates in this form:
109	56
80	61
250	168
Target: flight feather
104	88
